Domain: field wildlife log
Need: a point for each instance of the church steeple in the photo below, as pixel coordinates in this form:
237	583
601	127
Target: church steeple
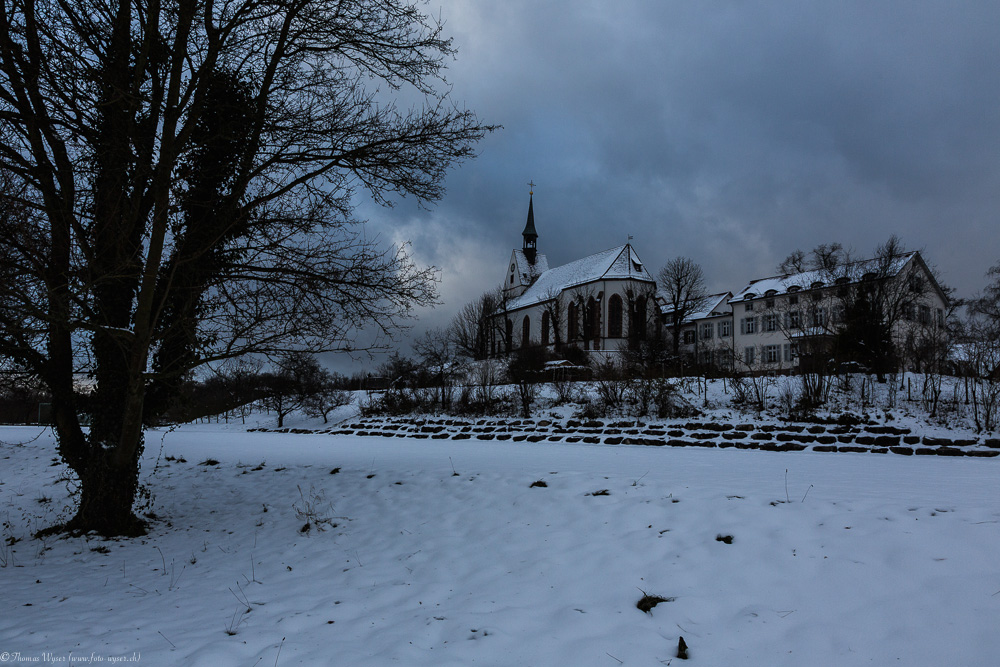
529	233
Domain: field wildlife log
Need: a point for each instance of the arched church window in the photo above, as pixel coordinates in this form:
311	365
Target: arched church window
545	327
637	327
615	316
593	320
525	331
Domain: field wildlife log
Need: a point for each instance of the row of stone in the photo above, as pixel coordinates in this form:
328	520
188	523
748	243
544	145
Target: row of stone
871	438
780	446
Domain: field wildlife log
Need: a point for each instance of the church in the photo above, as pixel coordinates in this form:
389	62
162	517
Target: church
599	303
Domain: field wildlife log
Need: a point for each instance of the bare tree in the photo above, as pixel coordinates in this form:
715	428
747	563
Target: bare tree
328	395
682	284
297	378
182	182
473	331
979	353
435	351
554	308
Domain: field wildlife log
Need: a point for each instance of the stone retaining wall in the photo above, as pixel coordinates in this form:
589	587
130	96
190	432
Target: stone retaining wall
861	438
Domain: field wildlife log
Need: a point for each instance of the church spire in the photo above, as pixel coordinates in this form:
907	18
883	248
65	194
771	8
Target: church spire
529	233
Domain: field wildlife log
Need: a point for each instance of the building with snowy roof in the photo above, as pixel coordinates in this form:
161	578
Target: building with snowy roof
789	321
597	303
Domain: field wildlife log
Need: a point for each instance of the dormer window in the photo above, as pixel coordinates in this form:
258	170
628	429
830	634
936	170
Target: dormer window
793	289
816	285
770	292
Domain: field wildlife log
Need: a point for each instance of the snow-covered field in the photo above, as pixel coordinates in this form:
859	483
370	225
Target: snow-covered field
441	553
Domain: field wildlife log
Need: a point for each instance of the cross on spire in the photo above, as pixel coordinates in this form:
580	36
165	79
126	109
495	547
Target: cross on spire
531	184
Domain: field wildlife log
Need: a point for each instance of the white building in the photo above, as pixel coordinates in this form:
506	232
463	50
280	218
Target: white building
785	322
595	303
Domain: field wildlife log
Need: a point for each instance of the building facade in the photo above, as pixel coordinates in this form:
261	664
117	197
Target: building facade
792	321
598	303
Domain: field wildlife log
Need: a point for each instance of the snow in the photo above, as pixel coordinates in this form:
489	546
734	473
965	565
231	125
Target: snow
805	280
836	559
713	305
613	264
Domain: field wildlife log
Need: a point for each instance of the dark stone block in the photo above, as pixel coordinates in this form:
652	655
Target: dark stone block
824	448
762	436
612	441
905	451
788	437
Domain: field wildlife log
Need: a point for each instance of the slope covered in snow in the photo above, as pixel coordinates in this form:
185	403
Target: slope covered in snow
443	553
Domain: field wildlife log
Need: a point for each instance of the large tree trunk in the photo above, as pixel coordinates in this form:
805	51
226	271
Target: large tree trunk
108	493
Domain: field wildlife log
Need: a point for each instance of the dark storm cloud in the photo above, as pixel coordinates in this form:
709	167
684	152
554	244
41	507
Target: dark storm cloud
730	132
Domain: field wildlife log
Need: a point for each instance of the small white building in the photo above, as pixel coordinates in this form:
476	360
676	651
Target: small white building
706	335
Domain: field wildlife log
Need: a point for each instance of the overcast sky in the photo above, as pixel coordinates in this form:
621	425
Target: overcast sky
729	132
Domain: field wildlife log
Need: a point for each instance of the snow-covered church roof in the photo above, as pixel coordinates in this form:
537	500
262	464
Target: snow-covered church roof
612	264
